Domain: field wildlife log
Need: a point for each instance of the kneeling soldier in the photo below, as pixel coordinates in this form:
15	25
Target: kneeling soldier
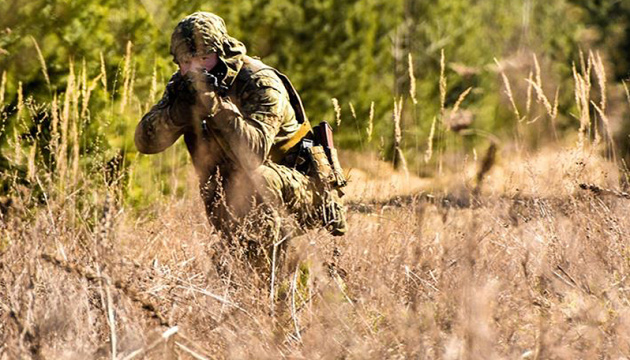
250	141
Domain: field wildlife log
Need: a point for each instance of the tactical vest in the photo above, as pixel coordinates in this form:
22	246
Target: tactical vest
250	67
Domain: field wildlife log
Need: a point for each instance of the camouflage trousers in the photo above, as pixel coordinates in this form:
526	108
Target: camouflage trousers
265	206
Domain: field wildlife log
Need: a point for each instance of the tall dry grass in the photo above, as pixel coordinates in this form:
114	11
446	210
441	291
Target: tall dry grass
514	260
531	273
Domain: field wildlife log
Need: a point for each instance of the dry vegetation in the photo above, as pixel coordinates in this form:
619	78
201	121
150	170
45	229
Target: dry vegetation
493	259
533	268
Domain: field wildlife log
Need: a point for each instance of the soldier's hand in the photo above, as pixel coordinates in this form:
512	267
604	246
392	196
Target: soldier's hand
210	93
180	88
205	85
178	99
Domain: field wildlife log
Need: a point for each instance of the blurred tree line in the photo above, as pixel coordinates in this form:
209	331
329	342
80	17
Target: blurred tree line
358	52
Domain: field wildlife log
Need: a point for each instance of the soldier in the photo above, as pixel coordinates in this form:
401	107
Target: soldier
250	141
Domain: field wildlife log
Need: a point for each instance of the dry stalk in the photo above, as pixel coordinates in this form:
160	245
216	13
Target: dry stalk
442	83
216	297
577	92
31	162
51	218
103	74
101	293
399	157
166	335
89	275
274	257
3	85
582	101
537	75
607	128
20	102
65	119
190	351
600	73
542	98
86	91
508	91
582	63
42	62
85	110
76	96
126	77
83	85
587	69
111	320
132	83
429	153
352	111
554	113
75	150
461	99
552	109
54	134
625	88
413	276
81	92
337	108
272	290
370	126
412	80
528	104
296	323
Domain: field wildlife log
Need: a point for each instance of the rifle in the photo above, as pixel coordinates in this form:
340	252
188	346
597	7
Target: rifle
324	137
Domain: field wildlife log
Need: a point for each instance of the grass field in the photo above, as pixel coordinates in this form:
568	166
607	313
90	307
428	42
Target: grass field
528	266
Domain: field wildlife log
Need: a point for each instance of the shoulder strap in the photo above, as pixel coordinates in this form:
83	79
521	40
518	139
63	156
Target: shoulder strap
278	151
294	97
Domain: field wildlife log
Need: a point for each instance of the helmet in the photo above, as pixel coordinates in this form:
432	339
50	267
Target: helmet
197	34
202	33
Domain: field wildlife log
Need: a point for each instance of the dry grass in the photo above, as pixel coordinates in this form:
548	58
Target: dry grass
531	268
501	257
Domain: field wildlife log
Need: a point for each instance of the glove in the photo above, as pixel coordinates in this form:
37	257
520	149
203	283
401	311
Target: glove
208	89
178	89
210	94
181	88
178	99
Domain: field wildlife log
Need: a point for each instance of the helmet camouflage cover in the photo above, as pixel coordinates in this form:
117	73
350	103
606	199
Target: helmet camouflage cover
203	33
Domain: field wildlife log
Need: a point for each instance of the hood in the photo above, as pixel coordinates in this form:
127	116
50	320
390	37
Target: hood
203	33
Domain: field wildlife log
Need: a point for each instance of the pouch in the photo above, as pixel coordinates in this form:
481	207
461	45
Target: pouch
320	167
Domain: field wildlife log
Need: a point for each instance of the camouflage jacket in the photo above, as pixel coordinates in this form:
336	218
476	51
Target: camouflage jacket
244	135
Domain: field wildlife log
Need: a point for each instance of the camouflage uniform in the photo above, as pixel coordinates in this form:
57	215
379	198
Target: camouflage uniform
240	134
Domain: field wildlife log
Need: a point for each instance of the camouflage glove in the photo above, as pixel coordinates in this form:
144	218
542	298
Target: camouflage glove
179	87
204	92
179	96
210	93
